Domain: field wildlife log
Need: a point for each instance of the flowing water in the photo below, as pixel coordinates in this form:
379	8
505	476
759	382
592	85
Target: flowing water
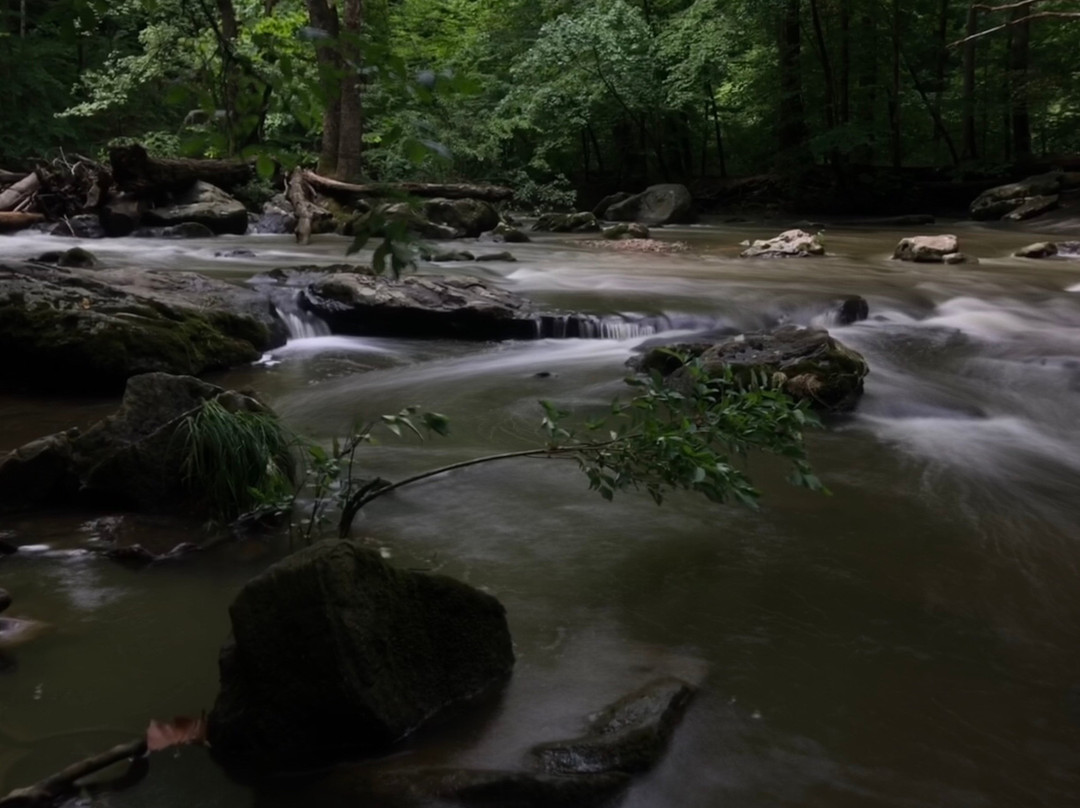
911	640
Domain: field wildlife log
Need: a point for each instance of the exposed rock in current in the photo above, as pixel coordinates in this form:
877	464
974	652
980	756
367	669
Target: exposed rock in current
999	202
807	363
76	257
927	249
625	230
505	232
1040	249
205	204
131	458
499	256
582	222
852	309
442	256
5	600
88	331
601	209
277	217
419	306
789	244
335	652
629	736
468	217
656	205
1031	207
84	225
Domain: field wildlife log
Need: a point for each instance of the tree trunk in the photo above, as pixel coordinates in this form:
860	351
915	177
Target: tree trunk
134	170
866	107
894	95
1019	59
971	149
792	130
826	66
716	127
351	129
17	221
297	194
939	70
845	61
324	17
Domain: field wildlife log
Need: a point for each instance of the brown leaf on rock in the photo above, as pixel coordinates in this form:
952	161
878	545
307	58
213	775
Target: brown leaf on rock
181	731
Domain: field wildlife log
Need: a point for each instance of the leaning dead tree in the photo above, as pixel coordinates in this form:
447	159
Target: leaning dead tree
348	190
134	170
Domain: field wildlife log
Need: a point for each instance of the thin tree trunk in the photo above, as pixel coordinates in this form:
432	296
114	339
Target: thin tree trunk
971	149
939	70
866	109
845	61
716	127
1019	59
894	95
826	66
350	134
324	17
792	130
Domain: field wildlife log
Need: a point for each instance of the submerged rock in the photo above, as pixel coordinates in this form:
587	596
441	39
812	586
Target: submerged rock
499	256
583	222
422	787
656	205
807	363
335	652
789	244
131	458
203	204
76	257
442	256
1040	249
629	736
88	331
927	249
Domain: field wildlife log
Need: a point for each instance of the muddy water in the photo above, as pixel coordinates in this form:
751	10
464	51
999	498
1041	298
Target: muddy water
911	640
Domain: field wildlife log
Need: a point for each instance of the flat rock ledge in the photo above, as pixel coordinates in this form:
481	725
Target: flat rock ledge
87	330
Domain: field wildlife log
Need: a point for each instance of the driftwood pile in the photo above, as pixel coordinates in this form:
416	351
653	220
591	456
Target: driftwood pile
120	191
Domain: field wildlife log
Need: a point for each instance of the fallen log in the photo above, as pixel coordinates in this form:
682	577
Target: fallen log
65	782
19	192
17	221
135	170
336	188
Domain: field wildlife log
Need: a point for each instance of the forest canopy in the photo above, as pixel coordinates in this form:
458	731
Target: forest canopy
545	95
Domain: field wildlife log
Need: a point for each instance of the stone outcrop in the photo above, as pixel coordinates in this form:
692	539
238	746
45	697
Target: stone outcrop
656	205
205	204
601	209
807	363
334	652
625	230
504	232
89	330
1026	198
130	459
789	244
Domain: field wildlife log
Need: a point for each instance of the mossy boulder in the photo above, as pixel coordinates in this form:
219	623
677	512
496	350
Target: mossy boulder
807	363
469	217
131	459
1028	197
88	331
204	204
335	652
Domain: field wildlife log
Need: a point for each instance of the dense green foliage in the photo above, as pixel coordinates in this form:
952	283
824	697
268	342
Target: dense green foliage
546	94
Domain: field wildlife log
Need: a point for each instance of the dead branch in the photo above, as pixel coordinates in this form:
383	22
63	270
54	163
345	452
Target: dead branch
1042	15
23	189
489	193
52	788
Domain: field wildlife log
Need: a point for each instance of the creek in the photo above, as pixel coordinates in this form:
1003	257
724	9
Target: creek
911	640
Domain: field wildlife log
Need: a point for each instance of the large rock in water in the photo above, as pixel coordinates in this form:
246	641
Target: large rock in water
789	244
88	331
929	250
807	363
581	222
419	306
469	217
1038	193
205	204
335	652
131	459
656	205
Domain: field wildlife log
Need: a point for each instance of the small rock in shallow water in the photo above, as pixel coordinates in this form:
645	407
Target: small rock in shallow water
853	309
1040	249
628	736
5	600
499	256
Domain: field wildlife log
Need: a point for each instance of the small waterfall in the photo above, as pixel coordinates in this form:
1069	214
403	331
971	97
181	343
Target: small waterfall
299	323
618	327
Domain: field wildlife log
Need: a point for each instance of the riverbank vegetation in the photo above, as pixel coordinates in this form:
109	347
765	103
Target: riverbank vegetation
552	98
